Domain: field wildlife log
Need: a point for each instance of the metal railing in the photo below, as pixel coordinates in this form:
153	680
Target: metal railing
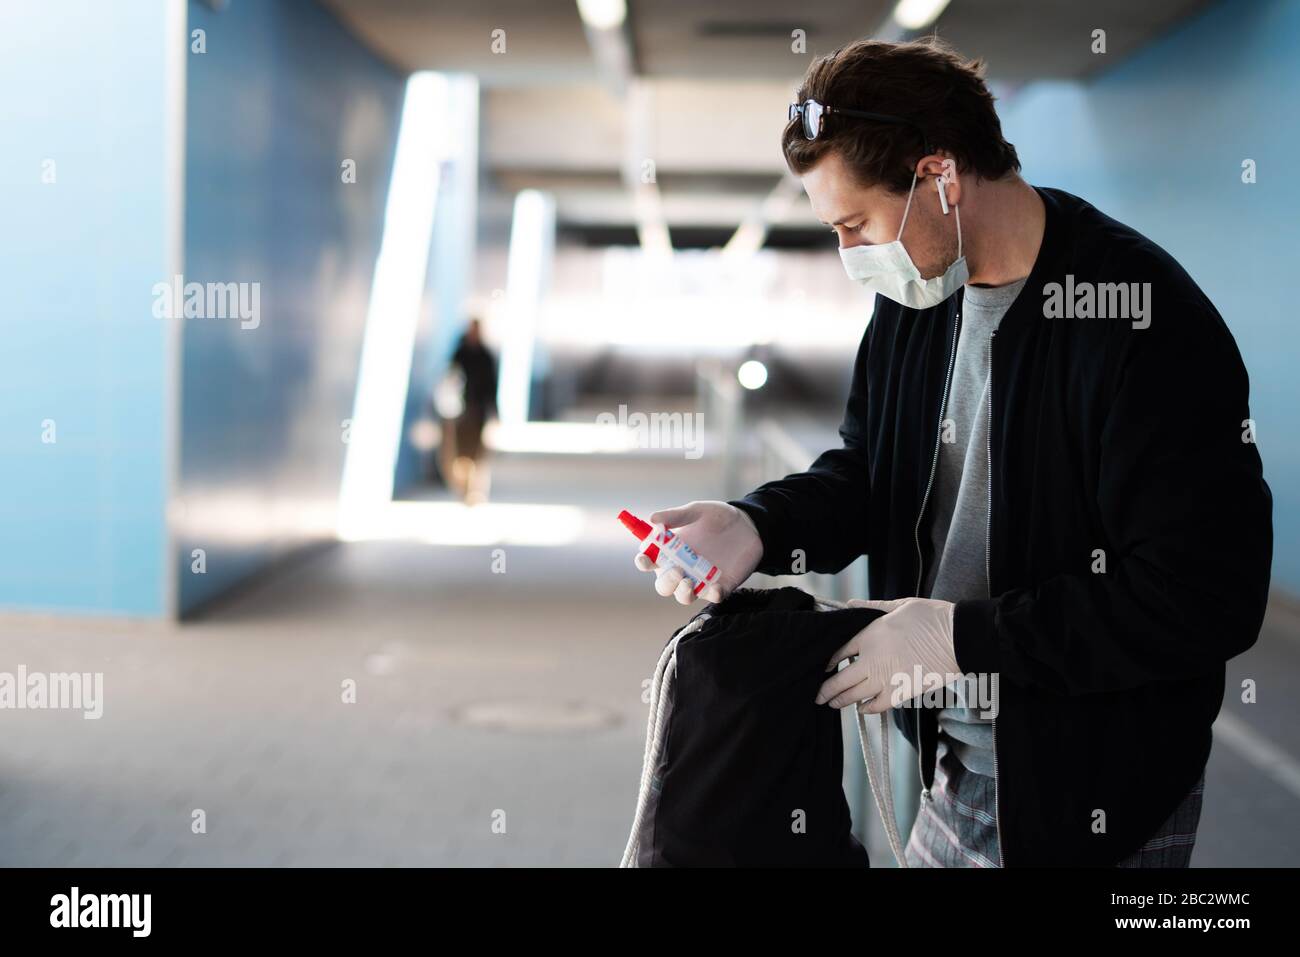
719	397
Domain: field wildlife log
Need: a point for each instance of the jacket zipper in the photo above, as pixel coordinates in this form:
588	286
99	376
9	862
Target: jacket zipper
920	558
988	578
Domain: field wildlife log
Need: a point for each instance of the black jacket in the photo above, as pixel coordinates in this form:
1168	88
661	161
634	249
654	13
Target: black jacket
480	368
1108	443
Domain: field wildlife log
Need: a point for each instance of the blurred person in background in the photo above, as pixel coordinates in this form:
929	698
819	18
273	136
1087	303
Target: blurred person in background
472	372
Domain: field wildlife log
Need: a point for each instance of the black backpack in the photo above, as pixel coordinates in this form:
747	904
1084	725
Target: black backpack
742	768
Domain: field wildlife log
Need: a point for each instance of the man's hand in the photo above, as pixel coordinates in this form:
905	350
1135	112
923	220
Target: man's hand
914	631
722	533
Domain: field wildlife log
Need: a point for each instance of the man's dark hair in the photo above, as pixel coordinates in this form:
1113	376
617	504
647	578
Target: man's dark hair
926	82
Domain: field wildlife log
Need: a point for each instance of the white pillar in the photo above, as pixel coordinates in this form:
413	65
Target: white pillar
528	274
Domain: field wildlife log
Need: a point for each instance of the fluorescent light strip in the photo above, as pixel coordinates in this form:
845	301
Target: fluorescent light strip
395	298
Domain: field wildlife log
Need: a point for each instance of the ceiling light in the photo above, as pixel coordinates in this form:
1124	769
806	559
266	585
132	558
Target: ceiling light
603	14
916	14
752	374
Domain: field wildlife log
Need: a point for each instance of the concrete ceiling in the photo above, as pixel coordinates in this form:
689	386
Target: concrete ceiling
742	39
717	76
1023	40
544	39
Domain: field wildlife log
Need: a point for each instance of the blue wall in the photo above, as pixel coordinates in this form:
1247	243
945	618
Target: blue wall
1158	142
83	83
280	99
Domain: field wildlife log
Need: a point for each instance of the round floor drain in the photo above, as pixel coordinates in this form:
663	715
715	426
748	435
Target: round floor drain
535	716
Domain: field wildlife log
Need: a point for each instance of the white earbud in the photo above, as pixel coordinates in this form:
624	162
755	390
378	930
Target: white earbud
943	194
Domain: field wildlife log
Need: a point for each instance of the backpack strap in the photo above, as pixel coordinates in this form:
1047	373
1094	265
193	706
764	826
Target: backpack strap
882	790
664	676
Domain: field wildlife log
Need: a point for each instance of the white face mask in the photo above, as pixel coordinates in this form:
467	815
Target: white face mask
887	269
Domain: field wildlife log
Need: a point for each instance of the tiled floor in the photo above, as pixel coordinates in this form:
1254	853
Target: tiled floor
240	714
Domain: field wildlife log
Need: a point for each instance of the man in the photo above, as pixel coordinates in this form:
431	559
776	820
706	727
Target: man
1047	460
464	453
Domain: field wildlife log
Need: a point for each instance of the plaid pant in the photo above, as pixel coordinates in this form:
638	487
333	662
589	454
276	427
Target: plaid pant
1171	845
956	826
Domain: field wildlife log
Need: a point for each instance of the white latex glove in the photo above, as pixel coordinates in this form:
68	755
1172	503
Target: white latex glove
722	533
914	631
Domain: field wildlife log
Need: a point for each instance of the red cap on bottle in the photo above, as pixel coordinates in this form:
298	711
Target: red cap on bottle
634	525
641	530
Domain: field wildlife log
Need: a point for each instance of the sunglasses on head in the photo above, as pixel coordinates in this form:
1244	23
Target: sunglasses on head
812	114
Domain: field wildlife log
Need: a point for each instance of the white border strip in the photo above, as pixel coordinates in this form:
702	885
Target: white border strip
175	64
1258	750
